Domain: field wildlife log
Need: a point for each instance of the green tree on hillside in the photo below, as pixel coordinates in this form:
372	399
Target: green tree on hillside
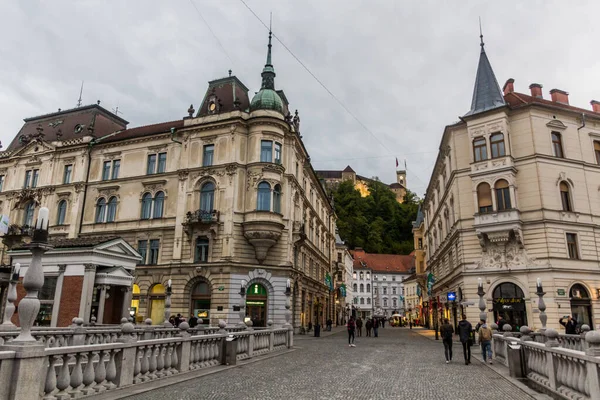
377	223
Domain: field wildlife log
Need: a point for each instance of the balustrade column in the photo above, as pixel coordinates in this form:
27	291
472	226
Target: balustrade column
592	338
126	359
182	353
101	301
551	362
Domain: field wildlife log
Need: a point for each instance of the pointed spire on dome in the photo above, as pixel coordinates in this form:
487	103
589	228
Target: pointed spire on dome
486	93
267	98
268	73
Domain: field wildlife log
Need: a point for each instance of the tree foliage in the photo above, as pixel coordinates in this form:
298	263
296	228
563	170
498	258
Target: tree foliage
377	223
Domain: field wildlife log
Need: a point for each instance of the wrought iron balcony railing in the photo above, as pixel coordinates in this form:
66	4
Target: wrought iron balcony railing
202	216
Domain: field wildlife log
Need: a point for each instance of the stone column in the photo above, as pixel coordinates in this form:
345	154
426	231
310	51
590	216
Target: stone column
58	295
87	292
101	300
126	302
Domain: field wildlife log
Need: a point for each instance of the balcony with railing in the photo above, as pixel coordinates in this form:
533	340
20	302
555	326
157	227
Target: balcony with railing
200	219
498	226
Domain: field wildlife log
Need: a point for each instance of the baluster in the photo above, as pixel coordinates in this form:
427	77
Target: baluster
100	373
88	375
153	361
175	358
62	383
76	376
111	370
211	352
145	363
50	384
160	362
217	352
202	358
168	359
138	366
582	375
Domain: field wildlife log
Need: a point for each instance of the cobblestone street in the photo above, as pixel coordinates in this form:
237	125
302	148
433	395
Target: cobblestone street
398	364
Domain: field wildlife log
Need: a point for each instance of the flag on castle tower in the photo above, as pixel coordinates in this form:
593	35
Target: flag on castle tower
396	162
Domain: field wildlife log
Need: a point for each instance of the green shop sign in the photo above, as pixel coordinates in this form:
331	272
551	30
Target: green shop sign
560	292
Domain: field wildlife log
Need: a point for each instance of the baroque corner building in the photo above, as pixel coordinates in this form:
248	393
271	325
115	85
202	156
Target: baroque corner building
222	198
509	201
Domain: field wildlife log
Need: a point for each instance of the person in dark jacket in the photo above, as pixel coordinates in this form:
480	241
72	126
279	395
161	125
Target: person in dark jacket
359	324
446	332
351	329
193	321
369	326
570	325
464	332
375	327
501	323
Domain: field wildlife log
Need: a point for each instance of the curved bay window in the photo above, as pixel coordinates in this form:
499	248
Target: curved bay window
100	210
62	212
502	195
277	199
509	303
207	197
480	149
263	202
256	304
497	145
200	301
581	305
484	198
156	300
146	206
111	209
565	197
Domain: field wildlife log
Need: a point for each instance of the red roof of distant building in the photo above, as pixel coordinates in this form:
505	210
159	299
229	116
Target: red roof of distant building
393	263
518	100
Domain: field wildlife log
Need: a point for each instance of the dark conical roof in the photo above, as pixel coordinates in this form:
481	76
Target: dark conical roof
486	94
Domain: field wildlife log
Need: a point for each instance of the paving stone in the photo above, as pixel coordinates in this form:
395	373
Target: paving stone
398	364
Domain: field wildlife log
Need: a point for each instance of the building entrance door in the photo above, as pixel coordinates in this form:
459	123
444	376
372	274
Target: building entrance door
256	304
509	303
581	305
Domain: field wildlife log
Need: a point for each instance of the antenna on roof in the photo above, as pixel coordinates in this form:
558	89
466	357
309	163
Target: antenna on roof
481	33
80	93
116	111
270	21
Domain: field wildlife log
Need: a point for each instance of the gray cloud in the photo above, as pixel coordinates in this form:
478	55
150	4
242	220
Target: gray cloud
404	69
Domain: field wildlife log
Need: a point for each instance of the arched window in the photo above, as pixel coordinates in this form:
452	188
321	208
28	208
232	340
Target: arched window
368	288
263	202
157	304
100	210
484	198
200	297
362	301
361	275
502	195
508	290
62	212
497	145
201	254
277	199
355	287
159	201
207	197
368	300
28	216
557	149
578	291
565	197
480	149
146	206
362	288
111	211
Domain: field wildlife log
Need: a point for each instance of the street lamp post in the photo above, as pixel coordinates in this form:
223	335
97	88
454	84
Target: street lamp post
541	305
34	279
288	312
481	293
167	324
242	304
435	319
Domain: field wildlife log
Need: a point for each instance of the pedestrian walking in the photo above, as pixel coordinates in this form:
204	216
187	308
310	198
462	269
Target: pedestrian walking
447	332
193	321
351	329
464	331
570	324
501	323
359	324
485	339
369	326
309	325
375	327
328	324
383	322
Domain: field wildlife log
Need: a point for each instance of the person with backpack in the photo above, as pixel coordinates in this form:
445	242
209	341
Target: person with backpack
351	329
485	338
464	332
447	332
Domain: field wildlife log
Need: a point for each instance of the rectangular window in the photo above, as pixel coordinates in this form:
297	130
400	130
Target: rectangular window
67	173
497	145
557	149
27	179
151	166
207	155
277	153
480	149
201	250
503	198
46	296
116	166
1	182
162	162
34	180
572	245
393	290
339	257
266	151
154	246
106	170
597	151
143	250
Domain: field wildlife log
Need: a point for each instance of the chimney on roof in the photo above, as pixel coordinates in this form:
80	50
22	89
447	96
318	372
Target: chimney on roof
559	96
595	106
509	86
536	90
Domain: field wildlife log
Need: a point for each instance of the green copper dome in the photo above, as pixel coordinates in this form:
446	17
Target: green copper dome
266	99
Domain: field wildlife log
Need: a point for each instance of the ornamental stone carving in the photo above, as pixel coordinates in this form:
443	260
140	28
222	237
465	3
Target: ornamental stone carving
262	229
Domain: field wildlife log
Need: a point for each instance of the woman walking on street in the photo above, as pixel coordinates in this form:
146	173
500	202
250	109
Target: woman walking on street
351	329
464	331
447	332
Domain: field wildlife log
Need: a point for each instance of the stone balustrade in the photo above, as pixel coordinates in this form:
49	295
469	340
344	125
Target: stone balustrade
108	359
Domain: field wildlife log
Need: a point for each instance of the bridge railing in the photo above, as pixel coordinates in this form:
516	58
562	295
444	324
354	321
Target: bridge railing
87	369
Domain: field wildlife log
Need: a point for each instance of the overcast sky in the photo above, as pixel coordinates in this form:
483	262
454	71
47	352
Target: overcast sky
404	69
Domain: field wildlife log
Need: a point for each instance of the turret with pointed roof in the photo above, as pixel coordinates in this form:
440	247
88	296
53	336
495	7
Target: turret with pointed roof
486	94
267	98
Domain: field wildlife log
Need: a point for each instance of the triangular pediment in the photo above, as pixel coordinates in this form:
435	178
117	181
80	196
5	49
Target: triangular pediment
33	149
118	271
118	246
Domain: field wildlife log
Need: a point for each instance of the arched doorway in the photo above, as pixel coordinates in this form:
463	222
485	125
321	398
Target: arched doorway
509	303
135	303
200	302
156	298
256	304
581	305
